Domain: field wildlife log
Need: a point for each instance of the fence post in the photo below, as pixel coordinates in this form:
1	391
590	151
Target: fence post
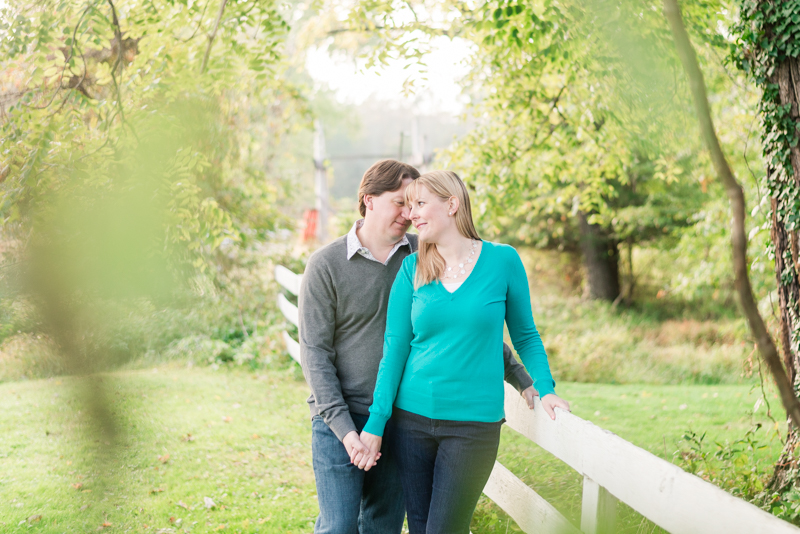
598	509
418	147
321	183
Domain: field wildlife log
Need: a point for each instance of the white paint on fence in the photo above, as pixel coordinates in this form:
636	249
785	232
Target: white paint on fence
598	509
289	310
292	346
662	492
531	512
291	282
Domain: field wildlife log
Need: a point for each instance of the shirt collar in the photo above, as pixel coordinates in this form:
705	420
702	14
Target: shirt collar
354	244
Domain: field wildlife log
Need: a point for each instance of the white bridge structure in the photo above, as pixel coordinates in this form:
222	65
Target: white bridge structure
613	470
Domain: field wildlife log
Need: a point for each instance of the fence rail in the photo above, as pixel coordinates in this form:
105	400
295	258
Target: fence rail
291	283
613	470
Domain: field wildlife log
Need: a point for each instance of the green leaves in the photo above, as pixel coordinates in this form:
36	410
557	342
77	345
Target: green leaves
79	102
569	95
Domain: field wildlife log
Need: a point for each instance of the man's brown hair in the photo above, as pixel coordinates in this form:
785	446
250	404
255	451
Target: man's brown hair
386	175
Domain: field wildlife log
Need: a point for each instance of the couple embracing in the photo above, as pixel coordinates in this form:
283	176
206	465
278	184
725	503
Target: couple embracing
401	340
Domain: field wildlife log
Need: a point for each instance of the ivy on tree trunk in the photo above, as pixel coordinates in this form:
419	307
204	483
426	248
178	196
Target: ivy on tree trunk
767	49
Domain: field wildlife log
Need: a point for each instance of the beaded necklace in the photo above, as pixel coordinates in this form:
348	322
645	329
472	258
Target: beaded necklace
451	274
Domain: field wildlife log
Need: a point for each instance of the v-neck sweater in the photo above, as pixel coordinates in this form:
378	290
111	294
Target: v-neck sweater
443	352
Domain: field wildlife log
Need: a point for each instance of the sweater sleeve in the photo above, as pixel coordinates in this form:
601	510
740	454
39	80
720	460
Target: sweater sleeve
396	348
515	373
519	319
317	306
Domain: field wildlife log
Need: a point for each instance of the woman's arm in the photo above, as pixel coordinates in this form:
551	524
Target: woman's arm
519	318
396	348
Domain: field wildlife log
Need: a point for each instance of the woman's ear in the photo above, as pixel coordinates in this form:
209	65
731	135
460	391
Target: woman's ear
368	201
454	204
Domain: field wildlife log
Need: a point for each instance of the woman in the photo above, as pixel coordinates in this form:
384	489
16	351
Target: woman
441	376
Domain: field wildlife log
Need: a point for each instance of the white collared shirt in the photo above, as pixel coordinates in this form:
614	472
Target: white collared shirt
354	244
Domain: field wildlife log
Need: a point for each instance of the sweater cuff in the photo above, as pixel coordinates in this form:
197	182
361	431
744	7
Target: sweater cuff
342	424
375	425
520	379
545	387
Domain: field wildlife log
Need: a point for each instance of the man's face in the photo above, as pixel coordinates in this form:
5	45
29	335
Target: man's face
389	213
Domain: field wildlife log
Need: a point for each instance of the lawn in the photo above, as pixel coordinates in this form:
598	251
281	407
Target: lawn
242	441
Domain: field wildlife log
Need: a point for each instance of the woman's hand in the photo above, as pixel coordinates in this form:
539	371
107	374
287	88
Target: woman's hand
363	460
552	401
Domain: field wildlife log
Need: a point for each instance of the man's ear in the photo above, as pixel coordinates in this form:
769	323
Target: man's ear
368	201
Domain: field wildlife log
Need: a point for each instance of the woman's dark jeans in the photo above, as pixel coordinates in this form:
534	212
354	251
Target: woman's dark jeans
444	466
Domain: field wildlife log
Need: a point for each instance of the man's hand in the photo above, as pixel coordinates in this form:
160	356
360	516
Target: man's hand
551	401
353	445
373	444
528	394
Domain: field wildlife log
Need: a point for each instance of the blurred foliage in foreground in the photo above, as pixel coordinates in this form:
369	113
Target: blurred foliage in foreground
140	184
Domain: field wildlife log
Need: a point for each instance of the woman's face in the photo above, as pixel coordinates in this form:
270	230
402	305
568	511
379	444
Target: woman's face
430	216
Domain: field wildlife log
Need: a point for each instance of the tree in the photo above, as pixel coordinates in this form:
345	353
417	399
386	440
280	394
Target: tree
565	151
767	48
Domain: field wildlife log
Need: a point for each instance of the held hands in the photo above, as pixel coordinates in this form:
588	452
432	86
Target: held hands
355	446
366	457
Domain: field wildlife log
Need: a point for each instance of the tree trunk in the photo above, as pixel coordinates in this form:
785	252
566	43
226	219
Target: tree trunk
601	260
787	269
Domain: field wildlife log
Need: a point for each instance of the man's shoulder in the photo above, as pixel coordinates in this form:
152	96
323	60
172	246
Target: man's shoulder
410	261
337	247
413	240
328	255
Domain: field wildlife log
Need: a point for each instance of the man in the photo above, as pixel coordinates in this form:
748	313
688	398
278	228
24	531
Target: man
343	302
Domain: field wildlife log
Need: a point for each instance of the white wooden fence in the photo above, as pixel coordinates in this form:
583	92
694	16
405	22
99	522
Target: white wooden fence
613	470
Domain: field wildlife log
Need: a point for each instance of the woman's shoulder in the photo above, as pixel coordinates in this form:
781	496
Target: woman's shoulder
411	259
501	251
410	262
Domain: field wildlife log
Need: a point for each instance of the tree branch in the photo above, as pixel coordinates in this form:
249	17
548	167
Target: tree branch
118	35
213	35
199	23
68	58
118	61
766	345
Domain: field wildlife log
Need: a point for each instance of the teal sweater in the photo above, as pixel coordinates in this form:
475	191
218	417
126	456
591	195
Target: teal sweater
443	352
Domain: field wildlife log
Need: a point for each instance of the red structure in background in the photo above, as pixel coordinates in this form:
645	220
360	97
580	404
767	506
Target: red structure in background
310	232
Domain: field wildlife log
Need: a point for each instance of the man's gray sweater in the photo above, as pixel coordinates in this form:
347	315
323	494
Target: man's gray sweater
343	306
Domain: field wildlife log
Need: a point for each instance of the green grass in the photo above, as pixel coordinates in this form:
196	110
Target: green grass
256	466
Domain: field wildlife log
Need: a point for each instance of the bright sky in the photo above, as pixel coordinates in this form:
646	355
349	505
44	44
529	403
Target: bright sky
353	84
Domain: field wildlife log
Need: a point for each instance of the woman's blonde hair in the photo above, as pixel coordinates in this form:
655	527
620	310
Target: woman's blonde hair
443	184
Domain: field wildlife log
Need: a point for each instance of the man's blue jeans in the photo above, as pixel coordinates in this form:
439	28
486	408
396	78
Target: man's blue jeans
352	501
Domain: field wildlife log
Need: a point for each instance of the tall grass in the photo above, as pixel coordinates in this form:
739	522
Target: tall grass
234	321
658	339
230	320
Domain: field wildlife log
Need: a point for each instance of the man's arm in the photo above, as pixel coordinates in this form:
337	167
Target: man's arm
317	313
515	374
